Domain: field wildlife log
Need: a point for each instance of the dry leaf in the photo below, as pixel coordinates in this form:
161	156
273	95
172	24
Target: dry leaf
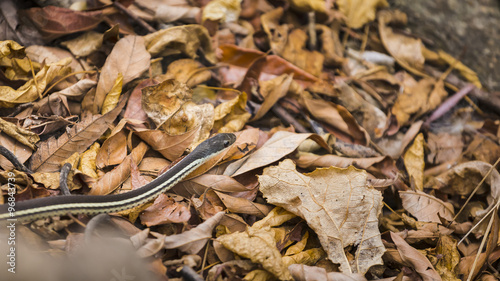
23	136
185	39
412	257
301	272
278	146
244	206
171	147
128	57
309	160
112	180
165	209
426	207
113	96
337	204
81	136
32	89
360	12
231	116
448	258
222	10
113	150
414	162
272	90
187	71
88	161
259	246
192	241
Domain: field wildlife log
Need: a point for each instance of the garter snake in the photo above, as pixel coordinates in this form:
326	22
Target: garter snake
93	204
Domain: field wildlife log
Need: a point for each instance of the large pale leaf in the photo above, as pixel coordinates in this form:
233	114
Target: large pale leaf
337	204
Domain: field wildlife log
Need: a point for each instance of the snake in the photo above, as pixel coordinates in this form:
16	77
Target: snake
30	210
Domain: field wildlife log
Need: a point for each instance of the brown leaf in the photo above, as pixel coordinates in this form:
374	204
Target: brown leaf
444	147
52	151
337	204
278	146
187	71
192	241
166	209
201	183
55	22
171	147
21	151
112	180
113	150
128	57
244	206
241	59
134	106
450	257
272	90
412	257
23	136
231	116
426	207
295	51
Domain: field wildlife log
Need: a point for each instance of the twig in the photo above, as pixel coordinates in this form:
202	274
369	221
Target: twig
488	229
137	19
189	274
487	99
448	104
285	116
63	179
13	159
312	30
93	224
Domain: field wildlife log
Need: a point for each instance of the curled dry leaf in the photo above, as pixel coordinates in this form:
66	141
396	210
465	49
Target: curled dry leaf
231	116
88	160
295	51
337	204
244	206
222	10
113	150
308	160
185	39
258	245
32	89
134	106
23	136
187	71
272	90
426	207
128	57
192	241
405	49
169	13
278	146
412	257
414	162
113	96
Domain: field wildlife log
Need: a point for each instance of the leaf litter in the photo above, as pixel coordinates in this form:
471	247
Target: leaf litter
352	161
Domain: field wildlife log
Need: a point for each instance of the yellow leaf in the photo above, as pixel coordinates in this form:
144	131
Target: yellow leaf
259	246
32	90
276	217
450	257
231	116
308	257
414	162
309	5
23	136
222	10
466	72
360	12
113	96
49	180
298	247
87	163
338	204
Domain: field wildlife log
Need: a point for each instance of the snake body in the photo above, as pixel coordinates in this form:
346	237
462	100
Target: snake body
91	204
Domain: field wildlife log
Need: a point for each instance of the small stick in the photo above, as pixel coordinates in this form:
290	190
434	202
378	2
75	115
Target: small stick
137	19
448	104
13	159
285	116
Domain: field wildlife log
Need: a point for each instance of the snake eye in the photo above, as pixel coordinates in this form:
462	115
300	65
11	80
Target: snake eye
227	143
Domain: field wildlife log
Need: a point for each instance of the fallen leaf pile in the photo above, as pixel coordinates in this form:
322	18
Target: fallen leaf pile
357	157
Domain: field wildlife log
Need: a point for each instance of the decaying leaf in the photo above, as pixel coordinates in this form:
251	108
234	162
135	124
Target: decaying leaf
337	204
231	116
23	136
